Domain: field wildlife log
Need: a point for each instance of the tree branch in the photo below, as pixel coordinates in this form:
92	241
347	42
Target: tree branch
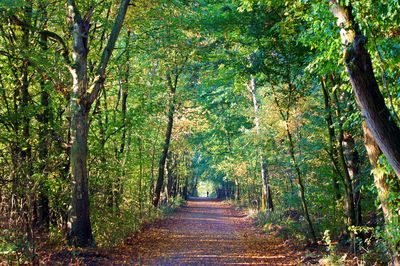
105	58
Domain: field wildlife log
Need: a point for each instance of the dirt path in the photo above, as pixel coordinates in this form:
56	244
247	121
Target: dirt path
209	233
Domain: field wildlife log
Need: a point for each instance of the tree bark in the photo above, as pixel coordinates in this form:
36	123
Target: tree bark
300	183
43	221
161	165
368	96
381	181
125	90
352	162
140	181
82	97
171	173
349	209
80	230
332	142
237	190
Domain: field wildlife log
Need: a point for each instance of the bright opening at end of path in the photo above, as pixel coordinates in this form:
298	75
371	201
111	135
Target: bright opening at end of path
206	186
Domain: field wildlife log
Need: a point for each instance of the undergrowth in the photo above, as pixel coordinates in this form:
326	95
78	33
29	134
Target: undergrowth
370	245
110	228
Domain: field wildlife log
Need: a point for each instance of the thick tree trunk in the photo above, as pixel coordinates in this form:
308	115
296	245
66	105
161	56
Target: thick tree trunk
381	181
81	99
263	161
368	96
80	231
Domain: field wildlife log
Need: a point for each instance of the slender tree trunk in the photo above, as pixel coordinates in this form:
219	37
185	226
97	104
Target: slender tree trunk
332	142
172	174
300	183
263	161
368	96
185	188
43	199
153	160
29	205
117	184
285	114
237	190
349	208
125	90
43	221
352	162
161	164
194	185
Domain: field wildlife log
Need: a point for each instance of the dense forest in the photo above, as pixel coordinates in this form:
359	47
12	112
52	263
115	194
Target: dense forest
113	111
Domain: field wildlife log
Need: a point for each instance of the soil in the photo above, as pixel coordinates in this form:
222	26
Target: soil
203	232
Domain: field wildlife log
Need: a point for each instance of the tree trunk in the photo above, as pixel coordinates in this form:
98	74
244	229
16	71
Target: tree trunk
171	173
300	183
161	164
125	90
332	142
194	185
43	221
381	181
140	181
28	205
285	114
43	199
80	230
352	162
267	199
81	99
185	188
349	209
368	96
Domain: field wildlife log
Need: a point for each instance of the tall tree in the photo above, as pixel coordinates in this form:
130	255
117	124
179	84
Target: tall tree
263	161
172	82
369	98
81	98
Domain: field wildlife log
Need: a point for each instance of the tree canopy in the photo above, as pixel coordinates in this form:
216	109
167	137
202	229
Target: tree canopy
111	111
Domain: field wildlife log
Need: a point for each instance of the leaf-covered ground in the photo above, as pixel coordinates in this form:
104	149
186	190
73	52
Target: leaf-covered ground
209	233
203	232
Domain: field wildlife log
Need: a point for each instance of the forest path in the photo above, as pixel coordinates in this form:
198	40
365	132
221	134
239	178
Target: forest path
209	232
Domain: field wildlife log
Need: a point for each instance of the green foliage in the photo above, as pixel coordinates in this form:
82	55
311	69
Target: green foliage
214	49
